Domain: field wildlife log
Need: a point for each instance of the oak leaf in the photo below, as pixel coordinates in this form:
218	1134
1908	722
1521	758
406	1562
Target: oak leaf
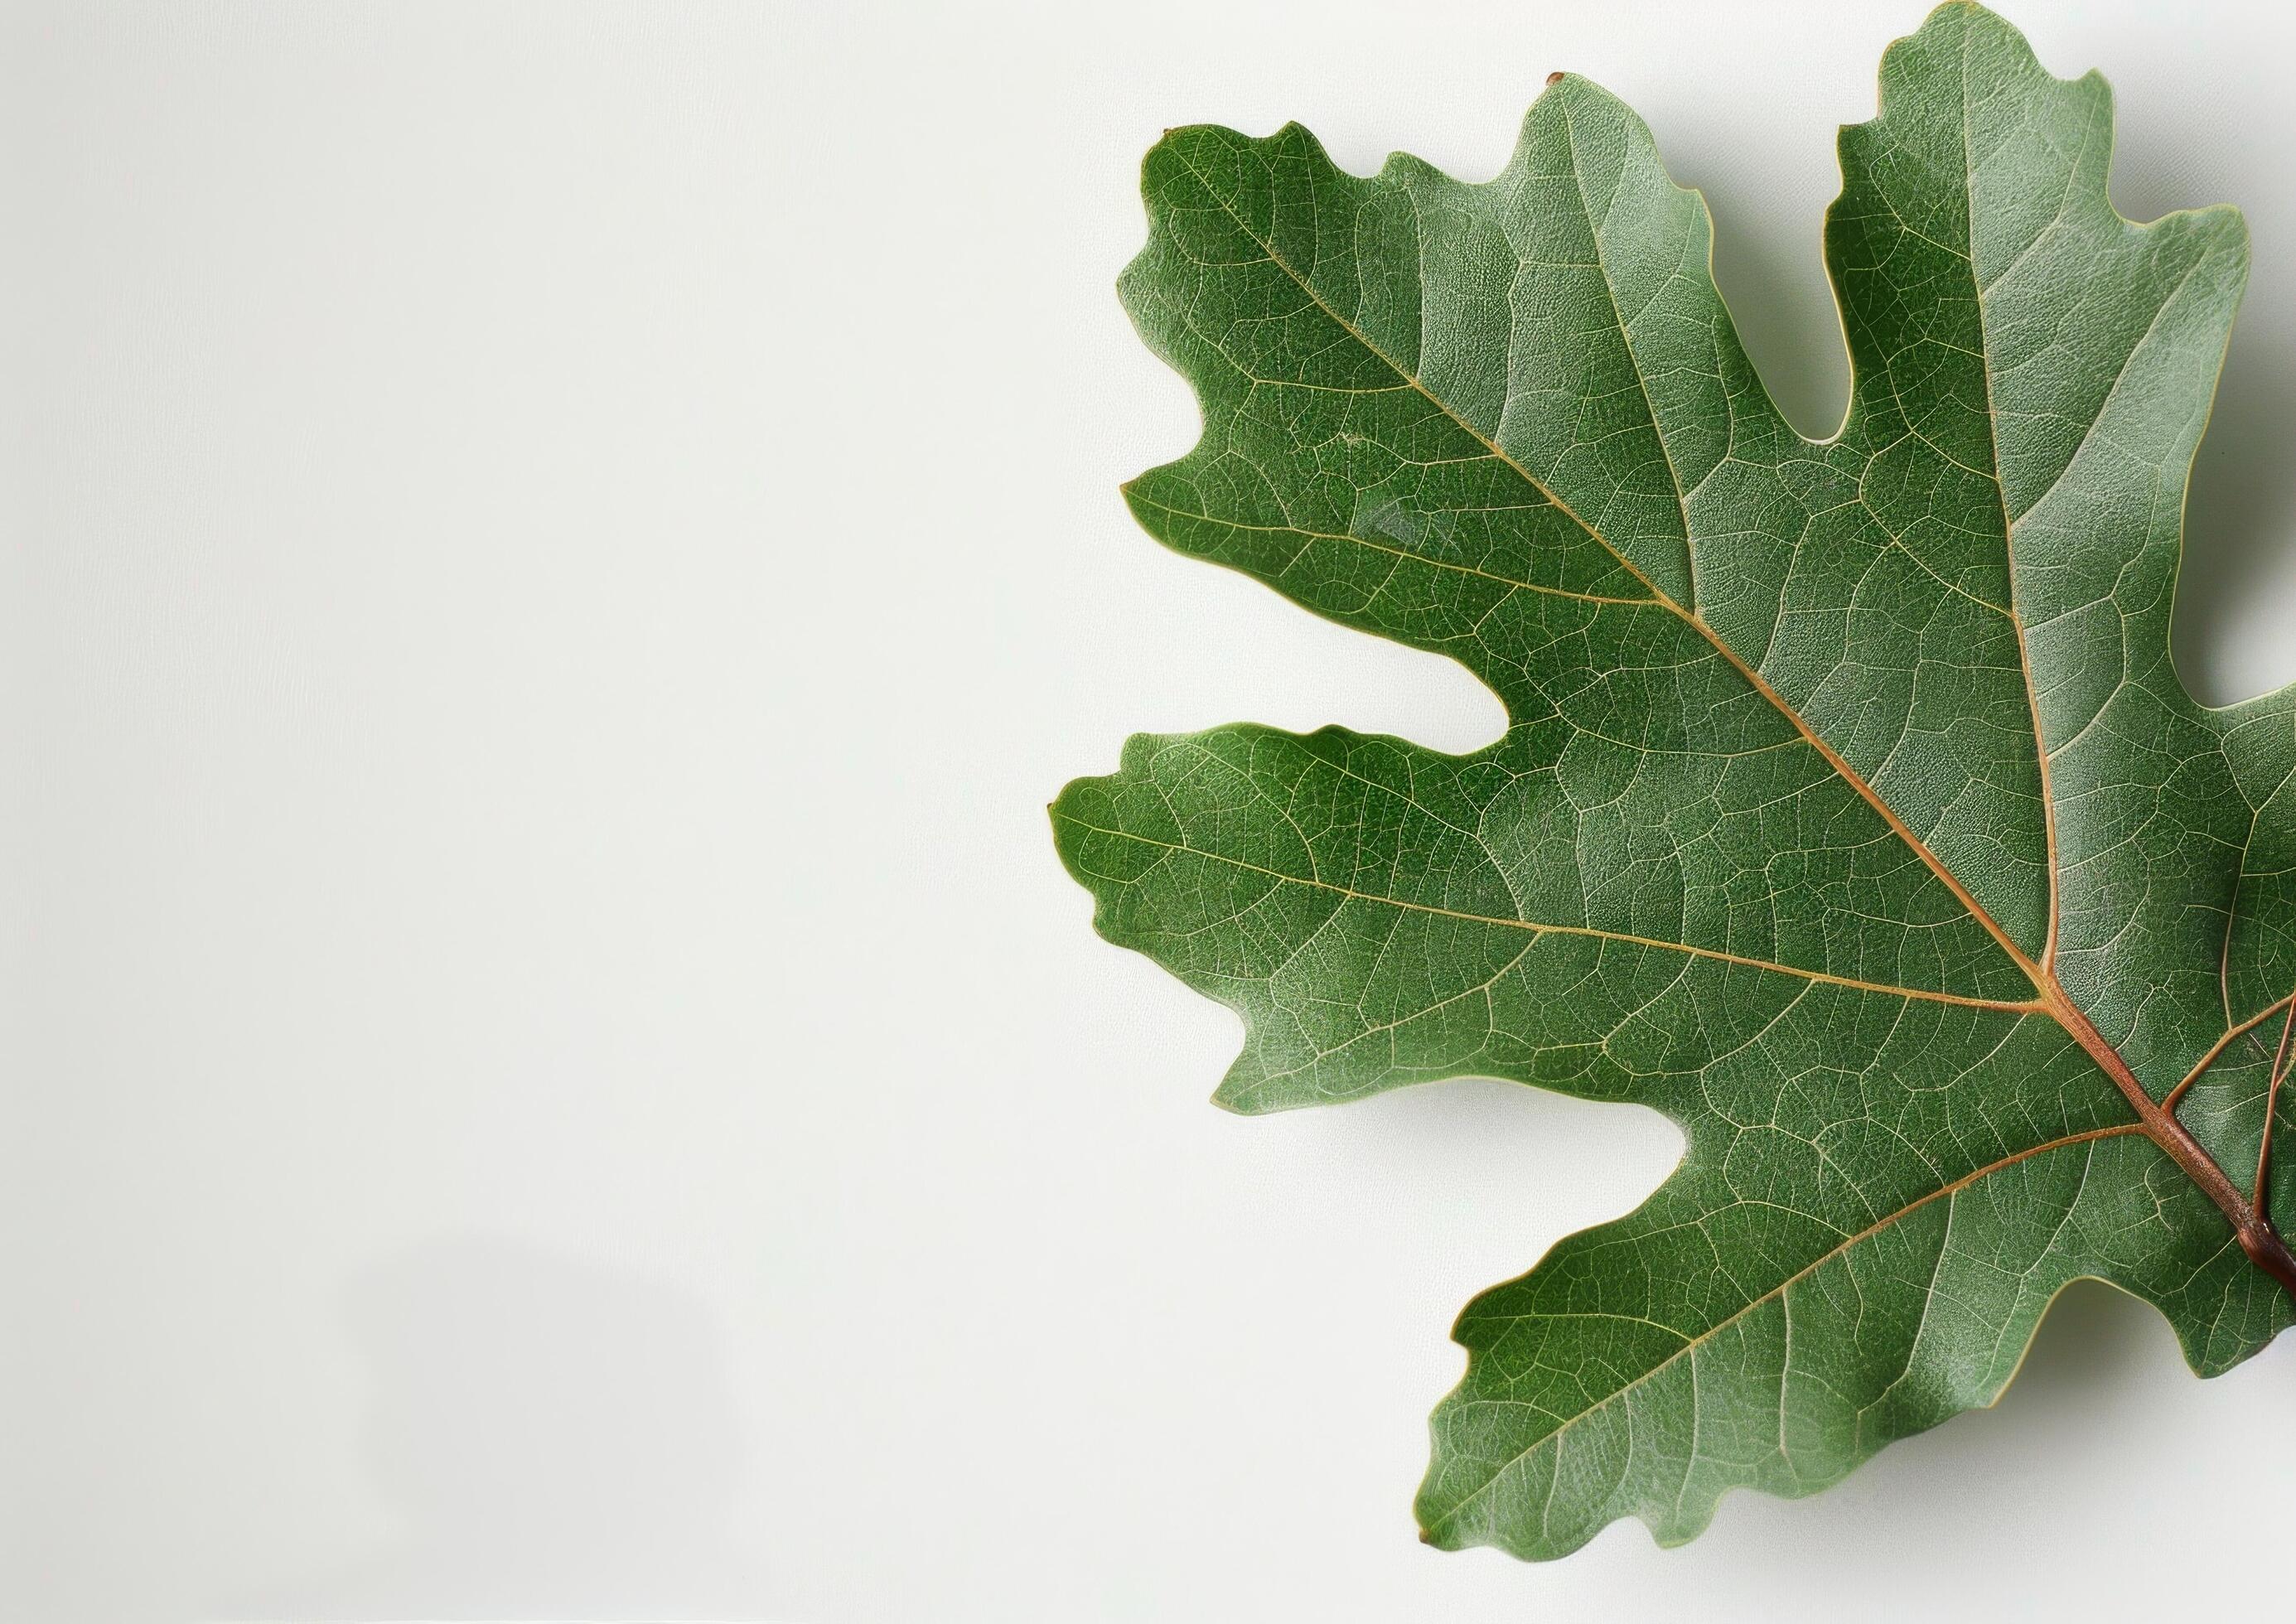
1849	809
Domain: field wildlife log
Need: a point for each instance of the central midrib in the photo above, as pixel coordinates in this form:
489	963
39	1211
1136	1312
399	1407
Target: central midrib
2250	1222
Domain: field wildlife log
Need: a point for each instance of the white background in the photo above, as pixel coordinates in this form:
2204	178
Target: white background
553	555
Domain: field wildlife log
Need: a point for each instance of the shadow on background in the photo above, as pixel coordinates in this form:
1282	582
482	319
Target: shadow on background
2096	1345
558	1438
2242	513
1982	1480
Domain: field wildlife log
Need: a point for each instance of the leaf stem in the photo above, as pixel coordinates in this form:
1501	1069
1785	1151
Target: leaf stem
2251	1225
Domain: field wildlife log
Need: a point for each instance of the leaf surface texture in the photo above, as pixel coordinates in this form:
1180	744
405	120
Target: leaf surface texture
1833	773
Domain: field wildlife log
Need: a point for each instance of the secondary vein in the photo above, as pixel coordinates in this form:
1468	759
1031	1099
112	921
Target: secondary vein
1691	1344
1542	928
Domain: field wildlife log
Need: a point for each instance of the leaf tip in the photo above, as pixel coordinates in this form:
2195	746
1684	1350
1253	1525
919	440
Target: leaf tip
1555	78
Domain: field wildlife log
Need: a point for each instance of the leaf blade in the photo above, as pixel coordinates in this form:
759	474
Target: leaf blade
1821	758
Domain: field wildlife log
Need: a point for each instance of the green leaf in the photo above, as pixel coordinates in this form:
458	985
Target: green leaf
1849	809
